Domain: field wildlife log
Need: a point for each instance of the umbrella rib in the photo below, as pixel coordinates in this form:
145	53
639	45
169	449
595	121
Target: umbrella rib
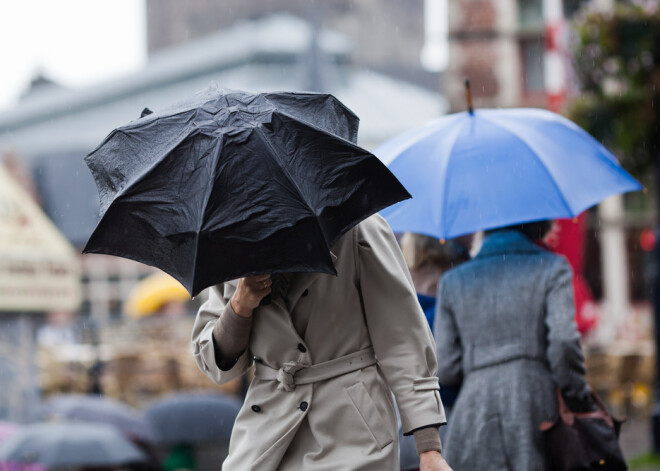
336	101
273	155
144	172
535	154
209	190
445	190
314	127
408	140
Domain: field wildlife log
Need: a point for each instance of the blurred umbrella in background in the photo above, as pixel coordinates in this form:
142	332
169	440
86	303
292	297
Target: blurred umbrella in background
489	168
152	293
229	184
69	445
188	418
98	409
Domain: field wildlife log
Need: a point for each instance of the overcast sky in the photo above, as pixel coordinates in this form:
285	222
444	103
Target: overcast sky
75	42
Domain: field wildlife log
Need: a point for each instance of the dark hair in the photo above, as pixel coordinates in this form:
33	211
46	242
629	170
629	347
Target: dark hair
533	230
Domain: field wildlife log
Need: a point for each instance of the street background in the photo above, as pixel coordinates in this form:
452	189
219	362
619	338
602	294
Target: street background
75	70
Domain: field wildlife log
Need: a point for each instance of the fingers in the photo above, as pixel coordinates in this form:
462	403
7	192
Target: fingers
257	278
258	283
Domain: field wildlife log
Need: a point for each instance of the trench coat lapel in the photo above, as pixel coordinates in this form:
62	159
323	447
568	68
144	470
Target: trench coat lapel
301	282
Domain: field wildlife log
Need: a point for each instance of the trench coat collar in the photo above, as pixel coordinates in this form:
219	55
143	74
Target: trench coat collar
507	242
301	282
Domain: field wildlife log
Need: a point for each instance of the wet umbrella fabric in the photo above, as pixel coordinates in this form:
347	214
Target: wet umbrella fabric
69	444
192	418
97	409
496	168
230	184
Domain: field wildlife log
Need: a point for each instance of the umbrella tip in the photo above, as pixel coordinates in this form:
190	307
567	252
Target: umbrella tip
468	96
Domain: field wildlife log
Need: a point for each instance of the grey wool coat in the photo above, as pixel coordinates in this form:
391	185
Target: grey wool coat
293	420
505	328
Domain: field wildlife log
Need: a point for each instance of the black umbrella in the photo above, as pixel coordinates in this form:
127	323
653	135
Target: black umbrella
98	409
230	184
69	444
192	418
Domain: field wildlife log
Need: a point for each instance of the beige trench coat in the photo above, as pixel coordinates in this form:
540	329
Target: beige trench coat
347	422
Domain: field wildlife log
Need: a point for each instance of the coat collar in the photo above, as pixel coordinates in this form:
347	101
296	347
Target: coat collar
300	282
507	242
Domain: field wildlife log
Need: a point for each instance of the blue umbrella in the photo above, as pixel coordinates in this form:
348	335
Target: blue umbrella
480	170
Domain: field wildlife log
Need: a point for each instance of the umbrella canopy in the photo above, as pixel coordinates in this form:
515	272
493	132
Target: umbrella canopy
69	444
192	418
229	184
151	293
492	168
98	409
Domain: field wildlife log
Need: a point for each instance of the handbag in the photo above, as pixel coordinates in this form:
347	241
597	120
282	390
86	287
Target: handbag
584	440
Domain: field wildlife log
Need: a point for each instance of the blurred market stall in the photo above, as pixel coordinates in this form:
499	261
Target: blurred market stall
39	272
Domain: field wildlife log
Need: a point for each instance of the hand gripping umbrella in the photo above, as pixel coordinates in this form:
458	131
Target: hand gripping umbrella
229	184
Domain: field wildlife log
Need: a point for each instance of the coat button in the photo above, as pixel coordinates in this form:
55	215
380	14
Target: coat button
302	348
303	406
257	360
256	408
305	293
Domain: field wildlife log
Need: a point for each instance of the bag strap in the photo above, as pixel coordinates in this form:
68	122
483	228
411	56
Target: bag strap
568	416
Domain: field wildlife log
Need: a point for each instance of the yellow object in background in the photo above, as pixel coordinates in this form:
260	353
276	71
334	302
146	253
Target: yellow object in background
152	293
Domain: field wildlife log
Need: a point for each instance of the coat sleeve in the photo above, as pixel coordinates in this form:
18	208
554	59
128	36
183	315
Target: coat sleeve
564	352
448	340
204	349
399	332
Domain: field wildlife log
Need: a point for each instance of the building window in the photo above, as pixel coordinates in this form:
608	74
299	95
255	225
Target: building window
530	13
532	60
571	7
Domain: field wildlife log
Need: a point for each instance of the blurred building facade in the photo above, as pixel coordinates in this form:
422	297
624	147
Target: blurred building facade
388	35
501	46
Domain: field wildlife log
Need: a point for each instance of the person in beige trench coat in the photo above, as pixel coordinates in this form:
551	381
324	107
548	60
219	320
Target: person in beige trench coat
328	357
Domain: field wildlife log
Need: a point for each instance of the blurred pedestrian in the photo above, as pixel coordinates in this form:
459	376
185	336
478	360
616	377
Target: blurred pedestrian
428	258
505	328
329	353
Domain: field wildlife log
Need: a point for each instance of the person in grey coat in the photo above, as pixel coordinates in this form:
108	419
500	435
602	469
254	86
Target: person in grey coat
505	329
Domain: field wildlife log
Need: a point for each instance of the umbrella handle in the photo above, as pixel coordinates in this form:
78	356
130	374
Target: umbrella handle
468	96
266	300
